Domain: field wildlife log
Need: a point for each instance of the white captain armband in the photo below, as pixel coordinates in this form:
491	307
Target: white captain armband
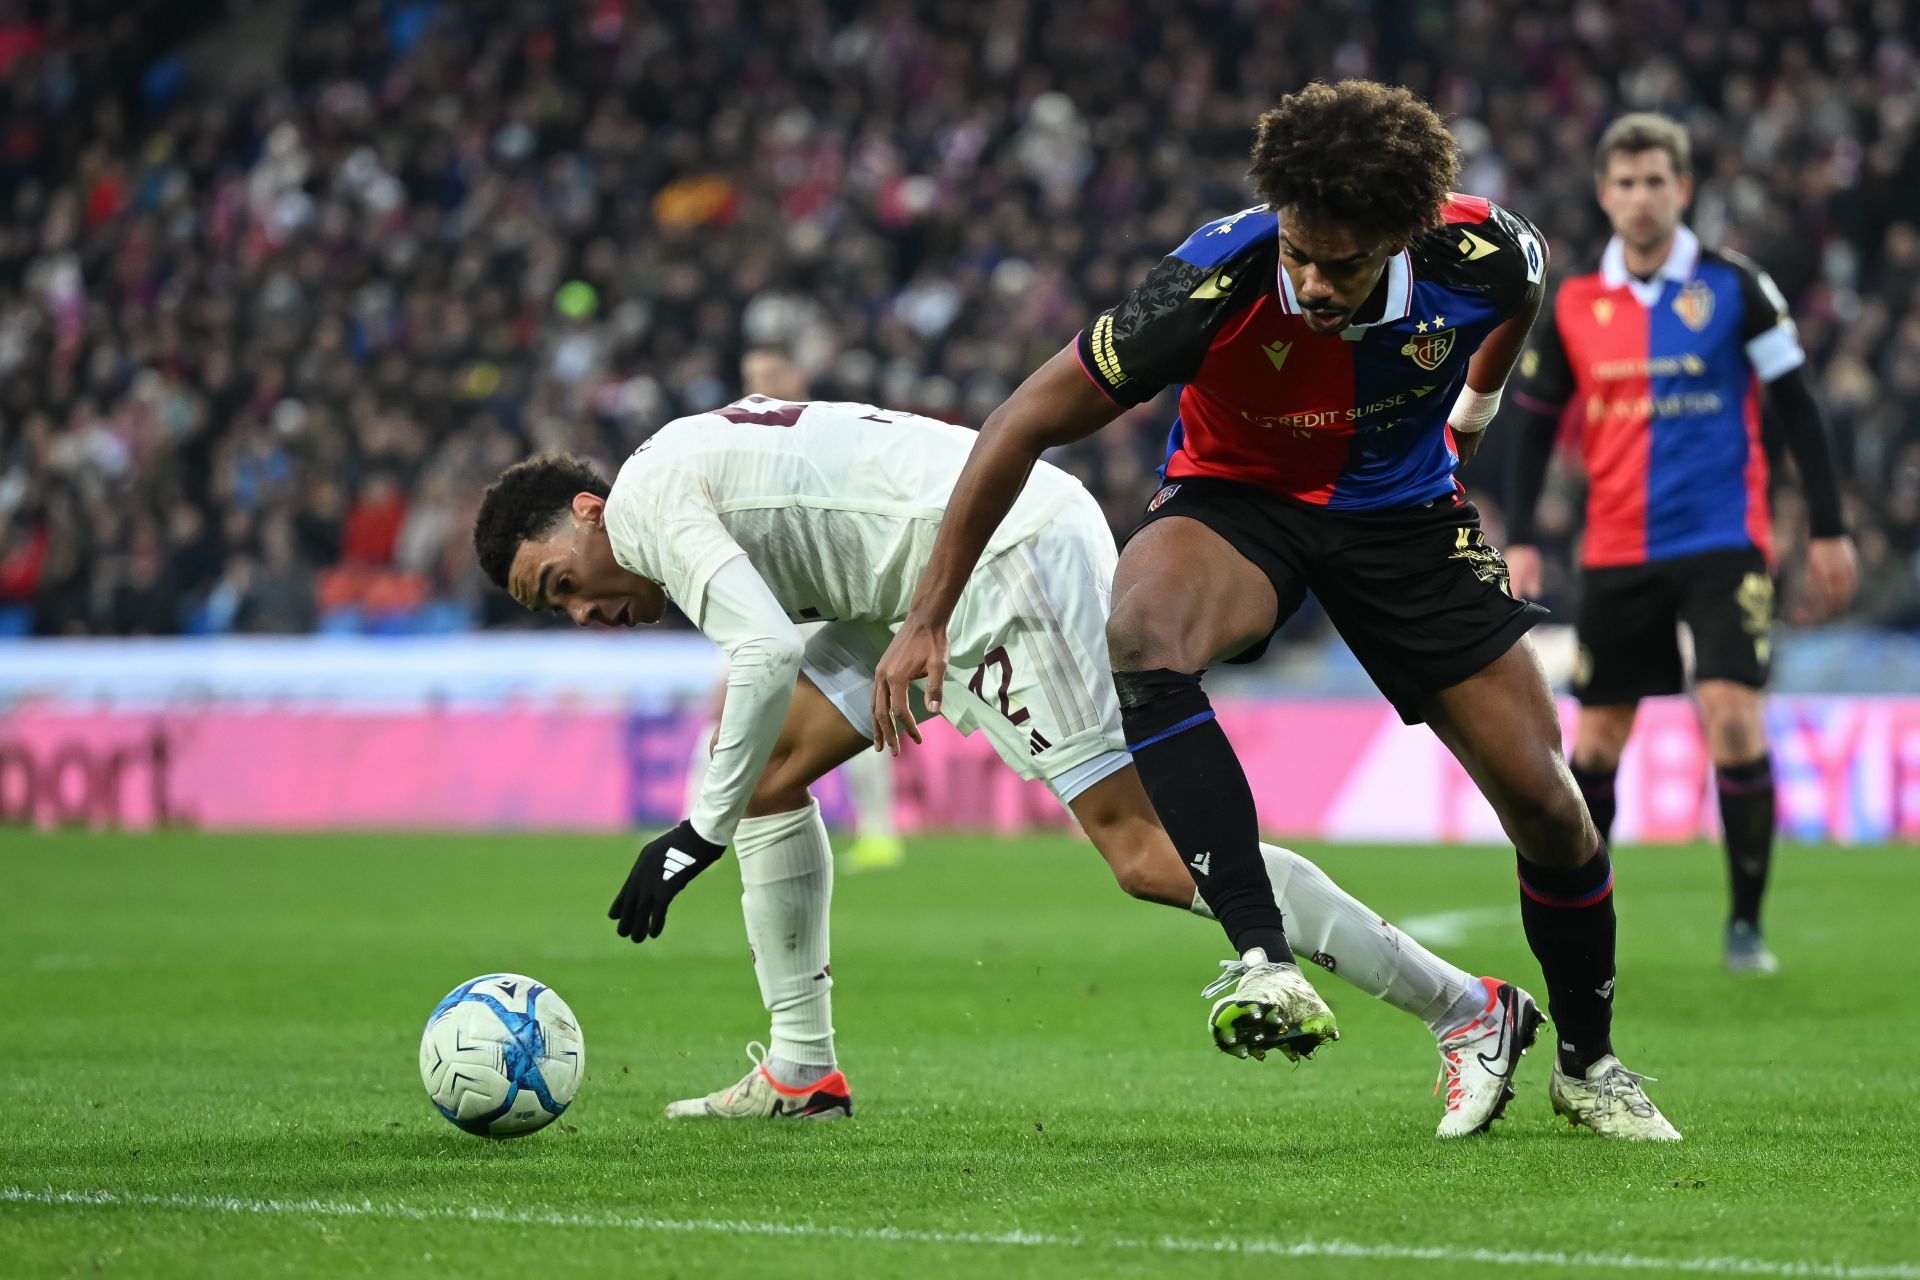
1777	352
1474	410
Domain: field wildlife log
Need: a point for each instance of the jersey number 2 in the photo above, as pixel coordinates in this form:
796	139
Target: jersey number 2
997	657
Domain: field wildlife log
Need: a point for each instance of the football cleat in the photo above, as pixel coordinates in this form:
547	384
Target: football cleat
1477	1060
1272	1006
759	1096
1609	1101
1747	950
876	853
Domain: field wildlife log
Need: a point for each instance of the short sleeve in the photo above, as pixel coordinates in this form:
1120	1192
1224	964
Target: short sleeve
1520	278
1160	333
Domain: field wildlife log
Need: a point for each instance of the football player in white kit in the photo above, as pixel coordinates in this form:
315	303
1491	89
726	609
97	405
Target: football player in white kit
773	372
767	513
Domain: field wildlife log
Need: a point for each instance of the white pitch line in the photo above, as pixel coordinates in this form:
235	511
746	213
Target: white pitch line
1590	1260
1449	928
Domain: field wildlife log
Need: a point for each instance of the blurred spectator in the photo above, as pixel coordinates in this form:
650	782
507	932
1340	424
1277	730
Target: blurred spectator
373	523
276	594
260	349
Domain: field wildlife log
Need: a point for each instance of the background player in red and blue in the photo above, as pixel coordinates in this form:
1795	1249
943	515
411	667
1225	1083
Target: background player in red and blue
1337	349
1660	357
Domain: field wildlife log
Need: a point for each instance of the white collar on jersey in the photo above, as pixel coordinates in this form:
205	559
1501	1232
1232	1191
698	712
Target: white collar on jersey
1399	295
1680	263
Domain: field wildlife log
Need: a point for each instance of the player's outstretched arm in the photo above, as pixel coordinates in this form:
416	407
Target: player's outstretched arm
1056	405
737	611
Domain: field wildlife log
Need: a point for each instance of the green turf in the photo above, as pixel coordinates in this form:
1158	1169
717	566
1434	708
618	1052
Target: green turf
221	1033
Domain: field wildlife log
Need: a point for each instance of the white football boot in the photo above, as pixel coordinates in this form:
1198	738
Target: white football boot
1609	1101
1272	1006
759	1096
1477	1060
1747	952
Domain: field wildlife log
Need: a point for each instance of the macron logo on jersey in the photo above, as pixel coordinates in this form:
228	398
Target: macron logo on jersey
676	863
1203	865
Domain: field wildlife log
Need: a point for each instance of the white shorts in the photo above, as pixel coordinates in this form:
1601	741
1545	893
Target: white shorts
1027	657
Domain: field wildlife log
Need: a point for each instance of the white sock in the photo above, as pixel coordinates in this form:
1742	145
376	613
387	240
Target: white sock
870	788
786	881
1337	931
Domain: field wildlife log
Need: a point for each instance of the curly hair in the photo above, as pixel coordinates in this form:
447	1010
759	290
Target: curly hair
527	501
1357	153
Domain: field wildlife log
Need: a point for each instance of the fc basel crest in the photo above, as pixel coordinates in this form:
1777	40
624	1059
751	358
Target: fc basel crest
1160	497
1694	305
1430	350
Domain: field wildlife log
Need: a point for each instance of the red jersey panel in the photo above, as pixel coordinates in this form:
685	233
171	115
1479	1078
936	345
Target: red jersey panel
1354	420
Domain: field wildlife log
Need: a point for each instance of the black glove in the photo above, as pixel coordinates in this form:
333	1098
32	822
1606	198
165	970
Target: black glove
662	870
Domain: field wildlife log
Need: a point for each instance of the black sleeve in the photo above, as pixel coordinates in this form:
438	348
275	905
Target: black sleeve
1534	432
1767	331
1502	256
1158	334
1762	305
1543	380
1799	417
1520	276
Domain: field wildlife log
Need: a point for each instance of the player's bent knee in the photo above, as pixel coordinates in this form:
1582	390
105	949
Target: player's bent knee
1139	641
1735	743
1551	826
1600	736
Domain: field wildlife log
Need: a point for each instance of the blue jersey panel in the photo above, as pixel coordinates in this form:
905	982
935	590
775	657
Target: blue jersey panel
1697	458
1222	238
1176	436
1400	455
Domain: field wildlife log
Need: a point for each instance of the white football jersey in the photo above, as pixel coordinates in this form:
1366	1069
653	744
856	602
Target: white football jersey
835	504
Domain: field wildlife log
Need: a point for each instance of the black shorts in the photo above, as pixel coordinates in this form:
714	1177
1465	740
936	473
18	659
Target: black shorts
1629	625
1416	592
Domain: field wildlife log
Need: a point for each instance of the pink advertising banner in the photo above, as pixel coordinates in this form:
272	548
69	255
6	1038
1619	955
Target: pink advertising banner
1849	770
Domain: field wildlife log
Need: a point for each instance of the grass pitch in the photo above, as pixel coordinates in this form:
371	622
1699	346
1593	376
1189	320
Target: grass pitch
209	1071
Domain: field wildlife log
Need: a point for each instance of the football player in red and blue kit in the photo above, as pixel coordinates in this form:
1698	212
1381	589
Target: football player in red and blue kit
1338	348
1661	355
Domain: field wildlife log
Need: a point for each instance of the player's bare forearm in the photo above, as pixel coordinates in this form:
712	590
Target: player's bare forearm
1494	361
1487	376
1056	405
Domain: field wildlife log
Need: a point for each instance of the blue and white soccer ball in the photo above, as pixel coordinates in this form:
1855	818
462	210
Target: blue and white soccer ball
502	1056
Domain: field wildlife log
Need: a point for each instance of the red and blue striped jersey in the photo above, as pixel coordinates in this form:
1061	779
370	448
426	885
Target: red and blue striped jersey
1355	420
1660	379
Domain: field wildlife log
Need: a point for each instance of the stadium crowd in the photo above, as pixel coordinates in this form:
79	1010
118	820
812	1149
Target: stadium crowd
263	339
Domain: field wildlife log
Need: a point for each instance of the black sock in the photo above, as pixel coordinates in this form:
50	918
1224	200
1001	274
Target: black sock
1569	922
1746	815
1201	795
1596	788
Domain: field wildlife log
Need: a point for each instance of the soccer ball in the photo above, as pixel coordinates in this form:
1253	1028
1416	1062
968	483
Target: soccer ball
502	1056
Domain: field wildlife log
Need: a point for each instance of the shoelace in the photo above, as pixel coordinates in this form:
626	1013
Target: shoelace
1235	970
1623	1086
1450	1049
757	1055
